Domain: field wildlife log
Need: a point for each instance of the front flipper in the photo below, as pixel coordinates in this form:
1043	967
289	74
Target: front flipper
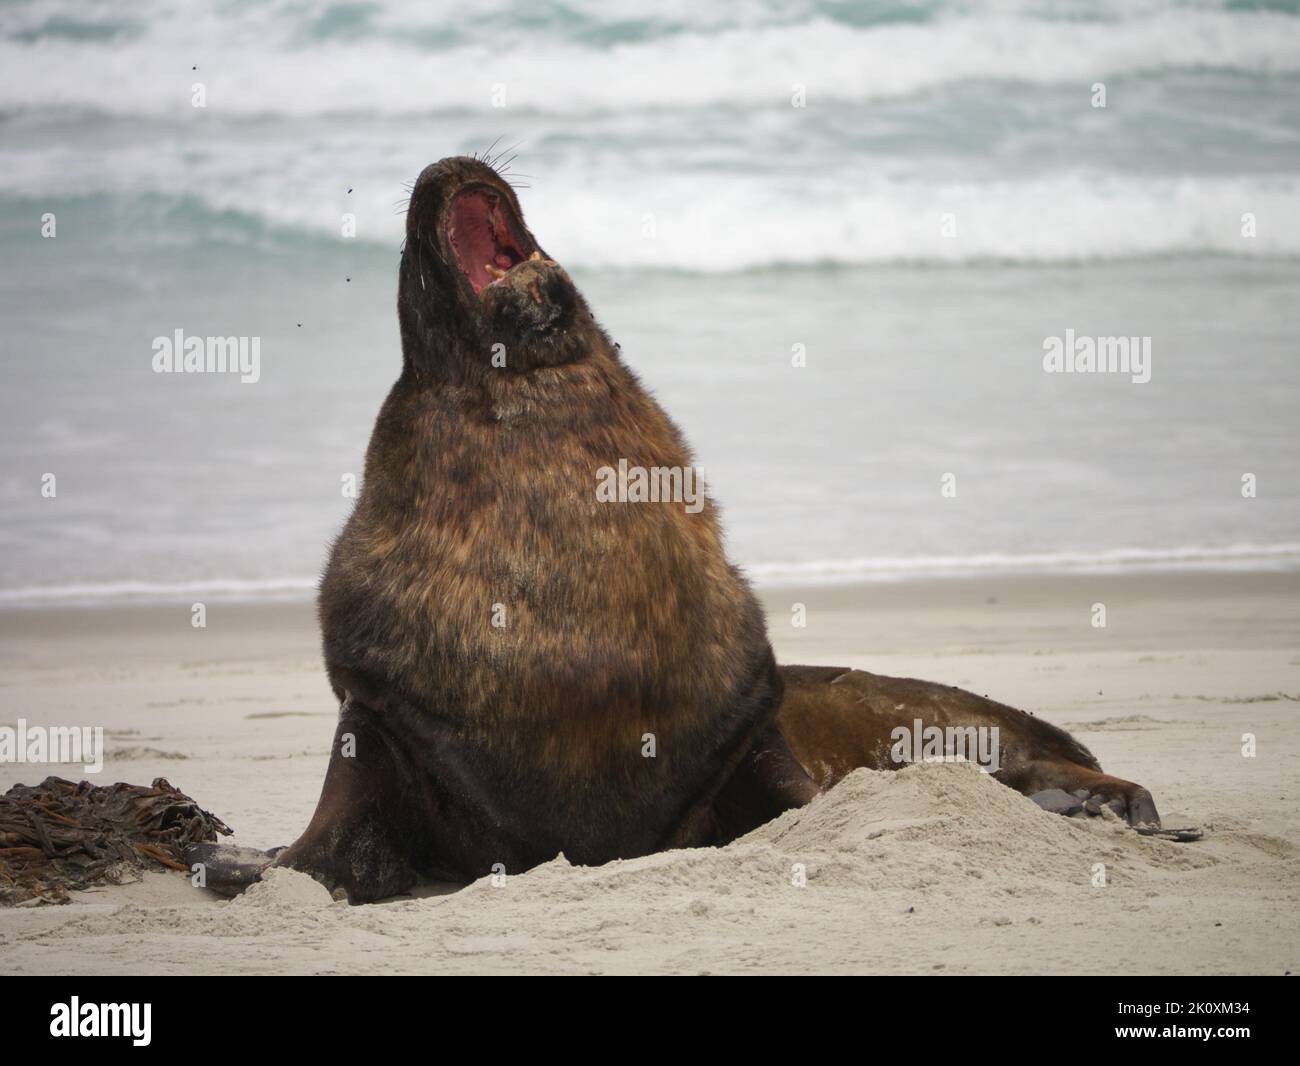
228	869
366	833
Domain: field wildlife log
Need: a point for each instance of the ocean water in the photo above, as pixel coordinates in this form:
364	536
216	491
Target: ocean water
946	200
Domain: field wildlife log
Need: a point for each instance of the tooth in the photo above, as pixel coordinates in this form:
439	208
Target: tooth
496	272
536	255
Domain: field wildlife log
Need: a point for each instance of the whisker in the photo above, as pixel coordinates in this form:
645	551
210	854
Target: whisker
497	157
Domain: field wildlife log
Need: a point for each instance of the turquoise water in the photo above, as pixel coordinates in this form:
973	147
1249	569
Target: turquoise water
713	226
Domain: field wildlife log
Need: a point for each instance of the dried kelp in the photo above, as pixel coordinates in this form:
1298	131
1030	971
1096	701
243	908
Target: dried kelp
60	835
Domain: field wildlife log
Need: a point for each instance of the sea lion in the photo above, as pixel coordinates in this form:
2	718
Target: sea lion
524	669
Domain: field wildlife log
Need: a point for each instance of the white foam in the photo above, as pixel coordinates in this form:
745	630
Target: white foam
256	61
82	594
1229	557
709	222
719	224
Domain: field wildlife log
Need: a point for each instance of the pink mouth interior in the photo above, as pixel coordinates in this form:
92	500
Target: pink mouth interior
480	232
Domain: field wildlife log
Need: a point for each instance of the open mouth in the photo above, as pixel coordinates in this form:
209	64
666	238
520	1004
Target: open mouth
483	237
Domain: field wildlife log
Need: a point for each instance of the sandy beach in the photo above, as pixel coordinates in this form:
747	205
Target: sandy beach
936	868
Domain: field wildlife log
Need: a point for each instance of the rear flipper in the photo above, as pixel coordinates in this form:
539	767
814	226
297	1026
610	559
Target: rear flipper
837	720
1094	789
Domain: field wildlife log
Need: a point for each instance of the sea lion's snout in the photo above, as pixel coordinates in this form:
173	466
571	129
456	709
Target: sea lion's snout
535	296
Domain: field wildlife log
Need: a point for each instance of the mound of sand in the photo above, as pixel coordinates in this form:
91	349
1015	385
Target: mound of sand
929	868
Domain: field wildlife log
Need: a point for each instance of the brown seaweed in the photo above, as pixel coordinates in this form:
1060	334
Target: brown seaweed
61	836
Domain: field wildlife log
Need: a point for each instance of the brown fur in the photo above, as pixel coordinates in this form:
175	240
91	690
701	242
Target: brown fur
837	720
623	619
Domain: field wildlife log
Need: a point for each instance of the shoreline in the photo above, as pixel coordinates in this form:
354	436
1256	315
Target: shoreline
1064	599
1120	563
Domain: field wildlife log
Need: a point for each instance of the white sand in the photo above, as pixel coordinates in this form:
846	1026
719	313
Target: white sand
931	869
